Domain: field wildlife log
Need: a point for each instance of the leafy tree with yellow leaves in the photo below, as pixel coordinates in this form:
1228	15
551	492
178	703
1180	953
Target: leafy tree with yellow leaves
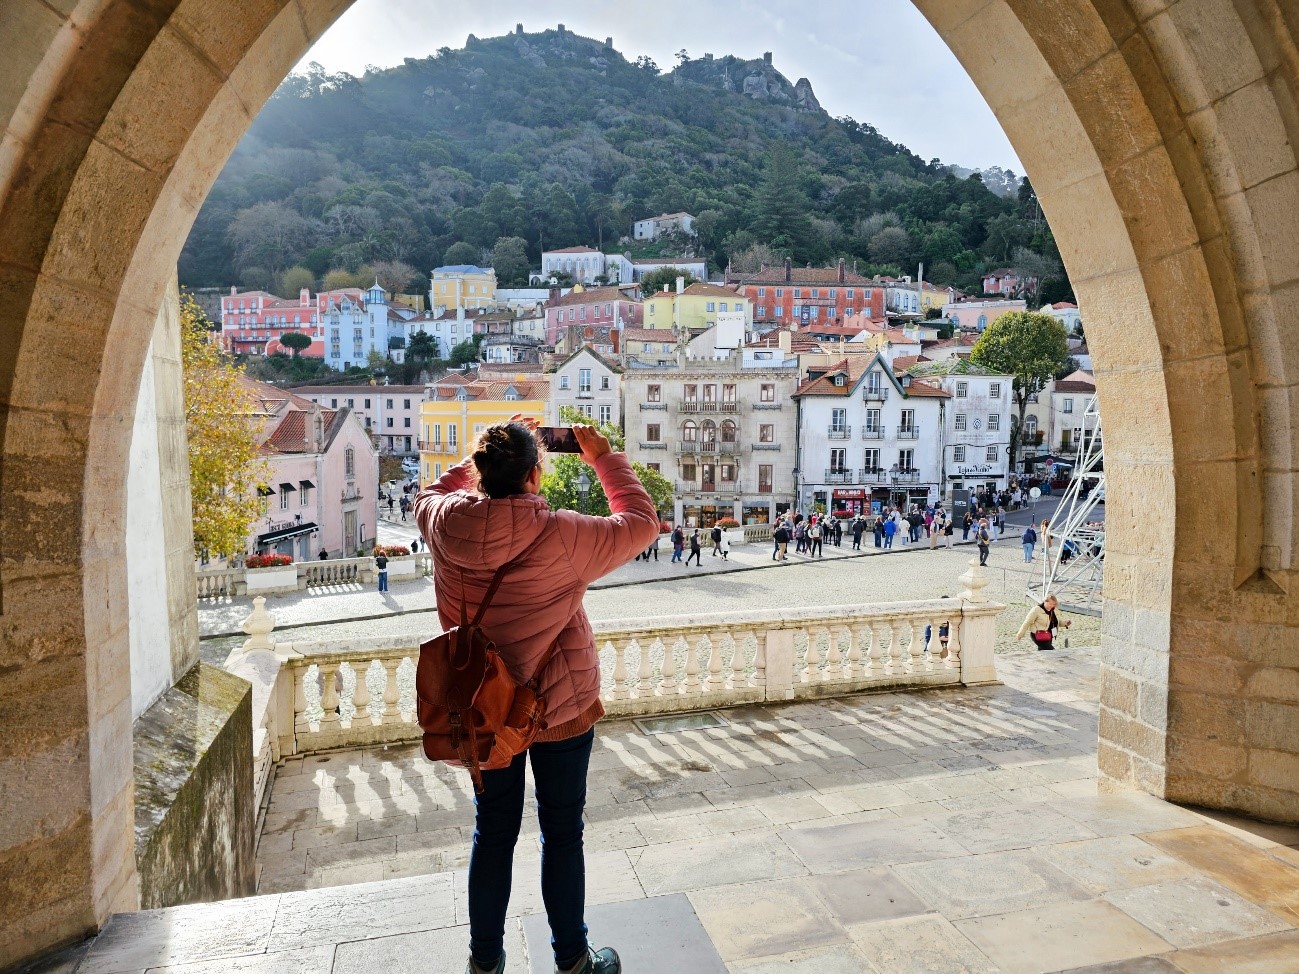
224	468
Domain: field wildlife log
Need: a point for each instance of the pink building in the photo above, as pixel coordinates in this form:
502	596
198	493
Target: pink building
321	488
1008	282
611	306
252	318
389	413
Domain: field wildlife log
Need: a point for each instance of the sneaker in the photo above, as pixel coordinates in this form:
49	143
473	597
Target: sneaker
603	961
472	968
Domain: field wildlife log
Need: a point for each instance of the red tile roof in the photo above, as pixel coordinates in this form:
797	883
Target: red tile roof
806	275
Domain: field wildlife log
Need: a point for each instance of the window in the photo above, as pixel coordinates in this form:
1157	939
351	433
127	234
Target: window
722	307
872	419
656	467
992	454
692	393
728	472
1030	425
304	493
994	391
606	414
453	432
728	432
1068	405
604	383
584	380
767	433
688	471
349	462
958	454
780	292
962	390
994	421
367	404
405	404
689	431
798	292
710	393
762	292
767	392
872	458
388	422
333	404
960	422
780	311
839	420
653	433
838	460
711	307
406	423
762	310
908	419
390	403
653	393
284	498
563	382
581	313
906	460
764	478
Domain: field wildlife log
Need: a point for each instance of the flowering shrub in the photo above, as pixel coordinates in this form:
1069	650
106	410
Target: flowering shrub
727	522
391	550
267	561
665	527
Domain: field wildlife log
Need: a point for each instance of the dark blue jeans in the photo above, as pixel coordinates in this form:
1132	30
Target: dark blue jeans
559	769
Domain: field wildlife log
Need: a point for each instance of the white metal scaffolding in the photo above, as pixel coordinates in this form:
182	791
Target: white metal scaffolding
1074	567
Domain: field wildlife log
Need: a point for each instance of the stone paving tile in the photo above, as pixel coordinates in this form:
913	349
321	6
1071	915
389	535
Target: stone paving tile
1248	870
673	867
919	945
1001	882
1051	938
136	941
1274	954
362	912
1114	862
309	960
866	896
1135	965
422	952
1017	827
841	848
1195	912
1126	814
839	959
761	919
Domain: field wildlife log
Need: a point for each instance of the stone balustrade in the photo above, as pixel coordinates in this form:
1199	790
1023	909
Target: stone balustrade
232	582
351	693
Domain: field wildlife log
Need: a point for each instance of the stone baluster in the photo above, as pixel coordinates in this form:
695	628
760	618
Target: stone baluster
874	663
668	684
934	648
619	670
299	697
954	643
854	667
714	681
760	658
692	662
812	658
361	695
737	659
645	673
329	696
916	648
897	652
391	692
833	654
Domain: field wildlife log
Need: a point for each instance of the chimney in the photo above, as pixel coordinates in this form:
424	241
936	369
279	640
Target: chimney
785	339
304	298
843	267
789	270
681	284
554	293
233	290
766	57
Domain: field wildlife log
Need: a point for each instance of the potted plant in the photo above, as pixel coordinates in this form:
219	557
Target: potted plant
270	574
401	563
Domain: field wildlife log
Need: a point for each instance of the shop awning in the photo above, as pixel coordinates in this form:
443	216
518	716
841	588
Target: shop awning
273	537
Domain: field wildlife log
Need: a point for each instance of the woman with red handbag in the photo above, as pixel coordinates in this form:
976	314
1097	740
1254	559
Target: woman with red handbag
1041	623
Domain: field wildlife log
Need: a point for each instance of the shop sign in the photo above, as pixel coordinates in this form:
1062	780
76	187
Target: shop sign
972	469
849	494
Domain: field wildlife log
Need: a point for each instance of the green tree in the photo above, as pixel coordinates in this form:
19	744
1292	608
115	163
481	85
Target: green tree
296	341
466	353
510	261
1030	347
423	347
461	253
294	280
892	246
224	469
782	207
559	483
664	277
395	276
339	278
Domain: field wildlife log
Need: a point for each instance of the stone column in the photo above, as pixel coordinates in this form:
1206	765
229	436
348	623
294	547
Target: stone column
780	664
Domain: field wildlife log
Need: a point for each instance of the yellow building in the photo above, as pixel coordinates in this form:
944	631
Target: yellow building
462	406
932	296
697	308
463	286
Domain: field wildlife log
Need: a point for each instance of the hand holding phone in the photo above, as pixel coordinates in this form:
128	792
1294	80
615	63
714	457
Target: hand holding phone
558	439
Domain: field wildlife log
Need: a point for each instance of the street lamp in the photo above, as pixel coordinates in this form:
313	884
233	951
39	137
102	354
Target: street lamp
583	489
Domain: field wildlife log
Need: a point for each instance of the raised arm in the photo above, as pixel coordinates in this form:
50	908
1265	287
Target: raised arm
428	501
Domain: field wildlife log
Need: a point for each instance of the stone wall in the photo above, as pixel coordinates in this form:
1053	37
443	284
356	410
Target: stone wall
195	811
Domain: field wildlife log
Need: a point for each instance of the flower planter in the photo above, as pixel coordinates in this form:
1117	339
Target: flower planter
402	568
280	580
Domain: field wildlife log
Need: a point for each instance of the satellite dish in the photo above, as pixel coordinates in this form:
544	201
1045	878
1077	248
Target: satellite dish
1035	493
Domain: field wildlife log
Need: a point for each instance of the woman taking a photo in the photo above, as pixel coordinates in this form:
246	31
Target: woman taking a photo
1041	623
485	513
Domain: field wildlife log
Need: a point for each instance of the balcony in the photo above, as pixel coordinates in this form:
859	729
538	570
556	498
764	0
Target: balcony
757	406
876	395
908	432
695	406
872	432
716	487
873	475
836	476
654	446
839	432
648	406
766	447
905	477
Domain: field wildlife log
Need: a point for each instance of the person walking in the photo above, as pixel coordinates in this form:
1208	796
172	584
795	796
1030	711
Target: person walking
781	537
801	530
381	565
724	543
949	532
858	528
838	532
484	515
717	539
391	502
814	540
695	550
934	528
678	542
1041	624
1028	539
877	529
1045	536
890	530
984	540
405	507
966	523
414	547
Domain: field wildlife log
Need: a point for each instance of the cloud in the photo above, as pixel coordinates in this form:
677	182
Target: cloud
886	67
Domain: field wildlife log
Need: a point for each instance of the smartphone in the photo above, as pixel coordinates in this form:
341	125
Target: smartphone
558	439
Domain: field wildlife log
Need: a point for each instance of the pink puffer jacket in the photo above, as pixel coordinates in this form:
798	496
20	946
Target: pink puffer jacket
540	598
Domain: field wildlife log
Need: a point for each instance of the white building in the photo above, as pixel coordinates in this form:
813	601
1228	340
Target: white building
975	437
1071	425
868	438
389	413
584	265
354	326
1067	313
656	226
586	382
722	430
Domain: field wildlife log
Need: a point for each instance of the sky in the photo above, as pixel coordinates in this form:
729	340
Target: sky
887	68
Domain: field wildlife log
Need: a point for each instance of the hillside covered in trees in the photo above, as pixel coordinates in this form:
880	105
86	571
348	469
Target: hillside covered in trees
530	141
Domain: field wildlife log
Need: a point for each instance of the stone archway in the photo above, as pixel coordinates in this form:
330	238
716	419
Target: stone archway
1159	135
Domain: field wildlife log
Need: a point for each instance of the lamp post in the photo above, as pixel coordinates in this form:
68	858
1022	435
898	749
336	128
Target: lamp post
583	489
